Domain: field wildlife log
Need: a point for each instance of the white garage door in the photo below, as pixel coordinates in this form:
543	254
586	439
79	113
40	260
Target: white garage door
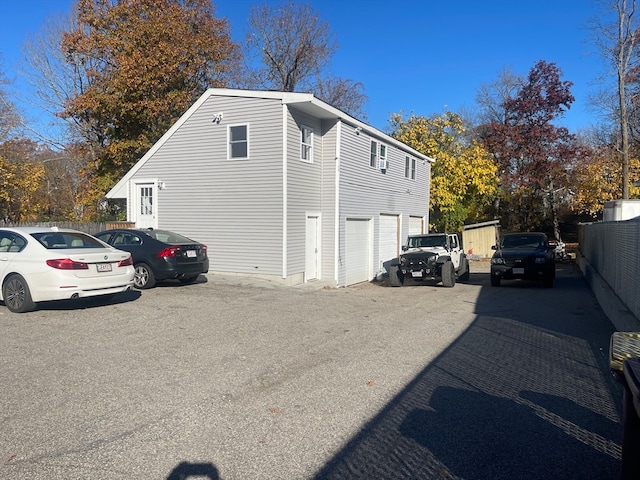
389	227
358	251
415	225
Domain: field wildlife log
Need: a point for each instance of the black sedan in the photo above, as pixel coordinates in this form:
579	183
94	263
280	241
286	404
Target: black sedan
159	255
527	256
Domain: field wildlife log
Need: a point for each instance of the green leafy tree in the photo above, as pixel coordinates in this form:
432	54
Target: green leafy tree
463	177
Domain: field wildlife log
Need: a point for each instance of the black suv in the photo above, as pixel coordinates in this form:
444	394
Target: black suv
524	255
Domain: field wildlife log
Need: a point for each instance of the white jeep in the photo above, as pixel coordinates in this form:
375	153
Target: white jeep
435	256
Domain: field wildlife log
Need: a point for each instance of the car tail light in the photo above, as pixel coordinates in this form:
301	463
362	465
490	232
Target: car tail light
204	249
126	262
67	264
168	252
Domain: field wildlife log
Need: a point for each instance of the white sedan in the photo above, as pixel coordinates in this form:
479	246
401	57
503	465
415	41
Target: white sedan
39	264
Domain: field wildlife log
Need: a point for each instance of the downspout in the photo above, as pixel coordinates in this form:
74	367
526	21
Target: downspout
284	191
336	226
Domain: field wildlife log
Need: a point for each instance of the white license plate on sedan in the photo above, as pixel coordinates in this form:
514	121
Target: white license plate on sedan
416	273
518	271
191	253
103	267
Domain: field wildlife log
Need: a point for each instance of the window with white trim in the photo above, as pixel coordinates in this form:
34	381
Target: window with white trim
378	157
238	140
306	143
374	154
410	168
383	164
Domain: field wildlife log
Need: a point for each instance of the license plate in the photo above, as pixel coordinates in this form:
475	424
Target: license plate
103	267
518	271
191	253
416	274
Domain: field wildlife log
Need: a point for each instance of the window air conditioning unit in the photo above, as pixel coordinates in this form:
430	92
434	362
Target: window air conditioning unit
382	164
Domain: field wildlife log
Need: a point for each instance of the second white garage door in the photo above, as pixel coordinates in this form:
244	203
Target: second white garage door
415	225
389	227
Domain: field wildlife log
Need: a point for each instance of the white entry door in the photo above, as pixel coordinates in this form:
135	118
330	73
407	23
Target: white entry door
312	248
145	205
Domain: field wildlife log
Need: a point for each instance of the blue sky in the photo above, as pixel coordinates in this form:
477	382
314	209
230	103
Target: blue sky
413	56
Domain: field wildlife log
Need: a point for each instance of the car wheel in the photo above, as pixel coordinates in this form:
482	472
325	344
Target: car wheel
144	277
495	281
448	275
395	278
188	280
16	294
464	270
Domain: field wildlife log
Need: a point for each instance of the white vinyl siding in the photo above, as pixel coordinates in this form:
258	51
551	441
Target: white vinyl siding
304	187
216	201
367	192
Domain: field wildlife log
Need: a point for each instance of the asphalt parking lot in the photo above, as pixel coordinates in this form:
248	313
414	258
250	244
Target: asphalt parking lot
237	379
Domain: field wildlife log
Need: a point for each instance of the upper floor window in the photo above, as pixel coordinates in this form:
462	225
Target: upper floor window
374	154
378	155
238	138
306	143
410	168
383	164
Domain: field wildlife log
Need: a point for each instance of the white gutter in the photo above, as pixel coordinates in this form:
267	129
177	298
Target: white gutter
336	226
284	190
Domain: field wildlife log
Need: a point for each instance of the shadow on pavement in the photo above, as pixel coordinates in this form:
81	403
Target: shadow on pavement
524	393
201	471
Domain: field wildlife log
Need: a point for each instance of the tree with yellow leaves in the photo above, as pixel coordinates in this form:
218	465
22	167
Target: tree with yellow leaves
598	179
464	176
20	179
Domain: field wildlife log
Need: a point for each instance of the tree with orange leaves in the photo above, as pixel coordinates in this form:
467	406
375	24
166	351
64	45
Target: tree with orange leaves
146	62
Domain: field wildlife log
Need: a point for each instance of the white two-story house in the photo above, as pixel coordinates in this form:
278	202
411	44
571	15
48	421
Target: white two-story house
283	186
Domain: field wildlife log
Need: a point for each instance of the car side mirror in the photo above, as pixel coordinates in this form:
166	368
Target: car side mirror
494	247
405	248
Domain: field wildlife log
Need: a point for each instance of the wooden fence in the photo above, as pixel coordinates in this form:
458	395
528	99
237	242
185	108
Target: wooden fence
90	228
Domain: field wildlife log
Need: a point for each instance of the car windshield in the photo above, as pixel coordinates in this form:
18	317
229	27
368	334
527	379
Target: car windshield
427	241
522	241
60	240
